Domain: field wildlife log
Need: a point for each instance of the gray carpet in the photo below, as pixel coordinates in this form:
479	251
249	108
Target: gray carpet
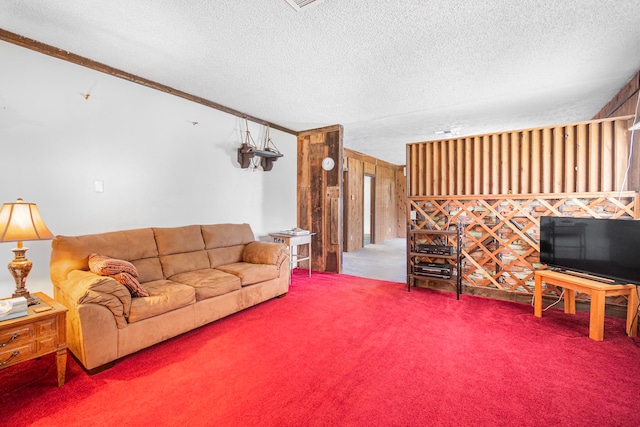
383	261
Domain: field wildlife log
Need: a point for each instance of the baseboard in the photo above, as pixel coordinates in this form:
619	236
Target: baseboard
524	298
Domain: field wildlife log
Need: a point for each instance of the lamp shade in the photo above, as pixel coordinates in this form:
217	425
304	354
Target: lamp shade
21	221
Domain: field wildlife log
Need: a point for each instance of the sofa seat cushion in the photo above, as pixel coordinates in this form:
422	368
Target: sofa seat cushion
164	296
208	282
250	273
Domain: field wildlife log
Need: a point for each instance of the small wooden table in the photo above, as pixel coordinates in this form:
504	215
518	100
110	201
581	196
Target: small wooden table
598	291
36	334
292	240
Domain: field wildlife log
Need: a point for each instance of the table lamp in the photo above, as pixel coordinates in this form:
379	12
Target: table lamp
21	221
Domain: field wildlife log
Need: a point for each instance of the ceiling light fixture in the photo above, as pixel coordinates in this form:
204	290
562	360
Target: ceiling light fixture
446	132
302	4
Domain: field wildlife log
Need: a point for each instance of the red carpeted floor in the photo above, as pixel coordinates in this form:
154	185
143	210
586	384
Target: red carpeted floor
346	351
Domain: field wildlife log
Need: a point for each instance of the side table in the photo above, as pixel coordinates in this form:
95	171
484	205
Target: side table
292	240
598	291
35	335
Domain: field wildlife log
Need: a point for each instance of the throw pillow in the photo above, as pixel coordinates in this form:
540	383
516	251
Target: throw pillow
131	283
106	266
258	252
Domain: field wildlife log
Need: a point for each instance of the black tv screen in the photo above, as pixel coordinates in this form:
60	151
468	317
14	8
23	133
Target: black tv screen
608	248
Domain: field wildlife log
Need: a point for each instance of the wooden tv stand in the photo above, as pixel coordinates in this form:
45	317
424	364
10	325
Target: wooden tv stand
597	291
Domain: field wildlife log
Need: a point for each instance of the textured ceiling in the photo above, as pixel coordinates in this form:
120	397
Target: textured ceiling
391	72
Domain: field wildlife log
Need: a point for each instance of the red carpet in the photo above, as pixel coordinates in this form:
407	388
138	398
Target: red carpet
346	351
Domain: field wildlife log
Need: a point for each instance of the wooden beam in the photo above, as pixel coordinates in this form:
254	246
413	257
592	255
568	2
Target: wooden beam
623	102
325	129
55	52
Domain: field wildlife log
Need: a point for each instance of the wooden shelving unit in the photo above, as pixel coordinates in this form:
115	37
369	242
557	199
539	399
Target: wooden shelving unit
434	255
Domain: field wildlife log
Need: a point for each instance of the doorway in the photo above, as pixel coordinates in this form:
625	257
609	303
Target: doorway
368	211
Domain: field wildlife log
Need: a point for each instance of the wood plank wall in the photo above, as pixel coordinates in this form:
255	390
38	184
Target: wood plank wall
498	185
390	199
624	103
385	199
401	202
353	204
581	157
320	196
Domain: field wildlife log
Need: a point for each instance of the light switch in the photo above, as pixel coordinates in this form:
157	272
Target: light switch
98	186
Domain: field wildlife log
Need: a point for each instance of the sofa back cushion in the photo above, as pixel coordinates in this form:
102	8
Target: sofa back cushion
137	246
225	242
149	269
181	249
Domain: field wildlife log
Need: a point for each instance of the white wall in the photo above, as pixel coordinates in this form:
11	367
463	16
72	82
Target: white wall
366	211
158	168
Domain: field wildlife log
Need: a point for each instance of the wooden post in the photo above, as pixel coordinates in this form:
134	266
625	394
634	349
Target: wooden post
569	159
320	195
582	176
535	161
606	177
504	164
525	163
557	143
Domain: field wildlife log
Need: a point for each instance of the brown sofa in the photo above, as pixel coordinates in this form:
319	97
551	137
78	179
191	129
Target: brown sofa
194	275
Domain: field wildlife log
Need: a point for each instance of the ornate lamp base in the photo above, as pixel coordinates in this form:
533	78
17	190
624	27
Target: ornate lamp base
19	268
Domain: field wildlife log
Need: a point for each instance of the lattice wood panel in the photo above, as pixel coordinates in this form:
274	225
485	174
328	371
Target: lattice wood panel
501	240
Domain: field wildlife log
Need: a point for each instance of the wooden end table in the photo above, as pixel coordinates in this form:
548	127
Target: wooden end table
35	335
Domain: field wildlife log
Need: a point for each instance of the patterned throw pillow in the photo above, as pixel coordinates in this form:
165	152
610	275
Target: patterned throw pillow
131	283
106	266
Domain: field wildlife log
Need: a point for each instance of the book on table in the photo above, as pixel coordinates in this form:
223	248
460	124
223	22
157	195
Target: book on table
12	308
296	232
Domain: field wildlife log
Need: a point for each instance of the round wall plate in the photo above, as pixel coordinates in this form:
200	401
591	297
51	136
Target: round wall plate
328	163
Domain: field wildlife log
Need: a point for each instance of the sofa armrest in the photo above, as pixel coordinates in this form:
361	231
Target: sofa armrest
265	253
85	287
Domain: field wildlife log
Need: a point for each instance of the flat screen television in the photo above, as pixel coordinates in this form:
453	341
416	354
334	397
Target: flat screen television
606	248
